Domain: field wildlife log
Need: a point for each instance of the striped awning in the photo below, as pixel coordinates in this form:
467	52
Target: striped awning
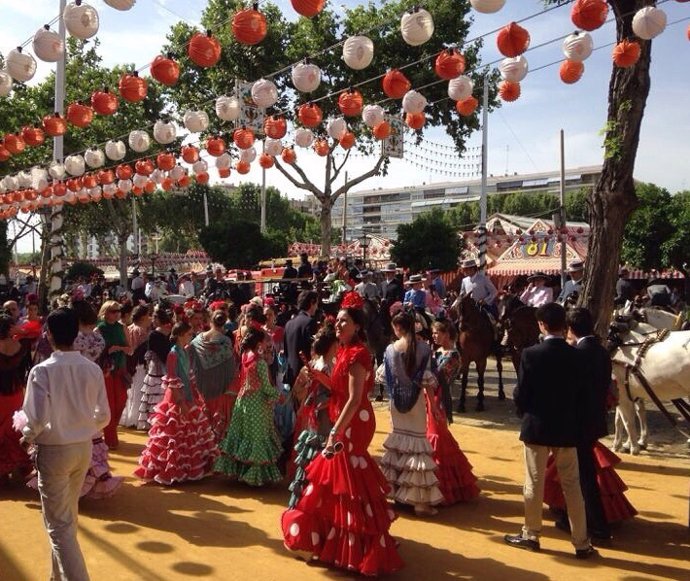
520	267
646	275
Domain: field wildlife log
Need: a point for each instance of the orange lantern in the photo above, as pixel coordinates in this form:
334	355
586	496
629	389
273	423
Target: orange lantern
249	26
59	189
105	177
571	71
204	49
190	154
79	115
309	115
382	130
90	181
288	155
467	107
266	161
137	191
48	192
215	146
202	177
351	103
275	127
74	184
54	125
395	84
14	143
144	167
33	136
243	138
242	167
347	140
224	172
308	8
509	90
184	181
512	40
4	153
167	184
132	87
414	120
104	102
119	194
449	64
165	161
626	53
124	171
321	147
165	70
589	14
150	187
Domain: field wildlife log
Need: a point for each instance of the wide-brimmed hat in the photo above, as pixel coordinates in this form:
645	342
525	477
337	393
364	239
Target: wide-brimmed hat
416	278
576	265
469	263
390	267
537	275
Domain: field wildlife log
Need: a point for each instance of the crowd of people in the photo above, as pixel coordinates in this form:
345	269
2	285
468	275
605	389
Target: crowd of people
264	389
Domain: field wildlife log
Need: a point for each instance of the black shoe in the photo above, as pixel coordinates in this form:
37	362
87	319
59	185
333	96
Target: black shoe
600	537
586	553
521	543
563	525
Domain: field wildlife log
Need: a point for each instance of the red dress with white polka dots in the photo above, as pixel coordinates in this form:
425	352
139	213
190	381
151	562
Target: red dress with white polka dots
343	517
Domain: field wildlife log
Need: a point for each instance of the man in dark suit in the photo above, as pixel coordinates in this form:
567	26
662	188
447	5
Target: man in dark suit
597	369
299	334
547	398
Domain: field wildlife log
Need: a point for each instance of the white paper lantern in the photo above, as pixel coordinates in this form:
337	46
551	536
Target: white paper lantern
24	179
94	157
115	150
20	66
157	176
304	137
416	27
124	186
514	69
224	161
264	93
56	170
74	164
649	22
196	121
139	141
372	115
48	45
96	194
578	46
200	166
228	108
414	102
248	155
336	128
121	4
164	132
460	88
306	77
39	179
487	6
178	172
81	20
69	197
10	183
109	189
5	83
139	180
358	52
273	147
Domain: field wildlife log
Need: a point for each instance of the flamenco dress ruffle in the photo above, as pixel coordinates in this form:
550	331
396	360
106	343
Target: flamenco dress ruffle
130	416
456	480
12	456
152	393
181	445
611	487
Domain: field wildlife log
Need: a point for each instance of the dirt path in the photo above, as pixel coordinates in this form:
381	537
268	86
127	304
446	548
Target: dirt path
218	530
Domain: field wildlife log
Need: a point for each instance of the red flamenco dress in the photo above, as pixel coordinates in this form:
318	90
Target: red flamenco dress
611	487
181	444
13	458
342	516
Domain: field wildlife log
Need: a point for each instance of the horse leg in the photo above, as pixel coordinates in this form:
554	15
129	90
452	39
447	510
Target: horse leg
641	410
627	411
499	369
463	387
618	429
481	368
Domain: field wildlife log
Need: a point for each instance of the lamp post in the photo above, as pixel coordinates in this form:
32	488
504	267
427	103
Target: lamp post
153	258
364	242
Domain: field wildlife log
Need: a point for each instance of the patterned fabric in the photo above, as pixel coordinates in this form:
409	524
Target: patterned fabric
90	345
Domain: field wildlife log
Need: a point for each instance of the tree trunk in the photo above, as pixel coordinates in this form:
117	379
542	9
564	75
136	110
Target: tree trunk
56	253
326	226
122	260
614	199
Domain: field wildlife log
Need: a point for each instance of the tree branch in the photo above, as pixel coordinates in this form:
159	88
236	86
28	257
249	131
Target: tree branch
342	165
306	185
358	180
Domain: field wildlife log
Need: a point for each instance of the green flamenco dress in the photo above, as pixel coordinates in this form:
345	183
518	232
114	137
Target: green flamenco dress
251	447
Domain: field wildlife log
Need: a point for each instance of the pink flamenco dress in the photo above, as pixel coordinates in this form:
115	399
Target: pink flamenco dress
342	516
611	486
181	444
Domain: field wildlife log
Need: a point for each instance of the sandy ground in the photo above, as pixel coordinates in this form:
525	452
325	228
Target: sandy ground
217	530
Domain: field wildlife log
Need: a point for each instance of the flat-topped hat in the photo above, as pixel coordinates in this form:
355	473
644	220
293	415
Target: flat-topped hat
537	275
576	265
390	267
416	278
469	263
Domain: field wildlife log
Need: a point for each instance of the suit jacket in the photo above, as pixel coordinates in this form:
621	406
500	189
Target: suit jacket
548	396
394	291
299	335
597	369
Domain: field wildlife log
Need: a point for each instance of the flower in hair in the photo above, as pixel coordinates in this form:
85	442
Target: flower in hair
352	300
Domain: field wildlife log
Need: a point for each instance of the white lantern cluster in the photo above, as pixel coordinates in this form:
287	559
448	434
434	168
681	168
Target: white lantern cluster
417	27
414	102
487	6
578	46
164	132
94	157
514	69
264	93
74	164
121	4
306	77
81	19
48	45
56	170
304	137
115	150
358	52
196	121
649	22
372	115
248	155
224	161
5	84
20	66
228	108
273	147
139	141
336	128
460	88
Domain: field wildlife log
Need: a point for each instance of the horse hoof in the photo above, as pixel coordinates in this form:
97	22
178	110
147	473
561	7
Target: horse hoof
501	395
643	445
480	406
461	408
635	451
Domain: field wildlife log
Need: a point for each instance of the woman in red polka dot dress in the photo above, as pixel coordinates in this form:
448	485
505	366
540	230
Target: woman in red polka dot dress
342	517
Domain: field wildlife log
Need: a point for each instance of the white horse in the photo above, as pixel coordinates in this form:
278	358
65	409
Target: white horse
660	319
666	368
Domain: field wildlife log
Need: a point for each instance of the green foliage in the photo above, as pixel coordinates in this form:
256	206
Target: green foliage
85	269
237	244
430	241
676	248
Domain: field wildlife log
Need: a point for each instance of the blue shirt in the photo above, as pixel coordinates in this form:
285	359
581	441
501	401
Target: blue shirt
417	297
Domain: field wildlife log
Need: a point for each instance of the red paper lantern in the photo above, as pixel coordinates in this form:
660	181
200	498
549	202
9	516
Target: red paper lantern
321	147
275	127
626	53
202	177
190	154
309	115
347	140
512	40
54	125
14	143
395	84
4	153
167	184
137	191
124	171
132	87
33	136
414	121
90	181
249	26
308	8
242	167
467	107
104	102
224	172
48	192
204	49
382	130
449	64
105	177
215	146
59	189
165	161
165	70
266	161
79	115
508	90
351	103
144	167
184	181
243	138
74	184
571	71
589	14
288	155
150	187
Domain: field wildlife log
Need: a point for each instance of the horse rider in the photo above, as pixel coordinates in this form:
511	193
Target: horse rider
659	294
437	282
477	285
391	288
576	270
537	293
625	291
367	289
416	296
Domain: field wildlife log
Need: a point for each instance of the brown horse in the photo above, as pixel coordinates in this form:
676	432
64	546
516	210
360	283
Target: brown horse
519	322
477	342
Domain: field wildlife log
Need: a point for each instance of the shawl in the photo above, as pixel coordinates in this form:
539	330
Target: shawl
214	365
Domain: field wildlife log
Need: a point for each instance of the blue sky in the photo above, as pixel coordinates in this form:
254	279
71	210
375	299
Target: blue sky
523	135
